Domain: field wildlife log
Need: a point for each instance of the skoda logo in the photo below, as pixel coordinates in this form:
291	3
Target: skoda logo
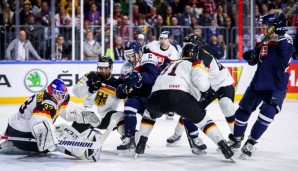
36	80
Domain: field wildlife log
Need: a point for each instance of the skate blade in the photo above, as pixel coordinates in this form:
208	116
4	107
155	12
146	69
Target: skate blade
198	152
126	153
174	144
232	160
243	156
136	156
235	150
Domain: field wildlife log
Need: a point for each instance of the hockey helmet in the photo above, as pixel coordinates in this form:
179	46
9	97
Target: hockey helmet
149	58
189	51
105	61
165	34
58	90
131	48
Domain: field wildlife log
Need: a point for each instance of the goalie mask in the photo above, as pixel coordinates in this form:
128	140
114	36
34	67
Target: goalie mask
58	90
189	52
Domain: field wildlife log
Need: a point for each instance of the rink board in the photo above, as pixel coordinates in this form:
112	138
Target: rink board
19	80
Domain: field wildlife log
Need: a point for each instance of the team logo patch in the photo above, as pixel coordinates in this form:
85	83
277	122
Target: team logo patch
100	98
263	51
35	80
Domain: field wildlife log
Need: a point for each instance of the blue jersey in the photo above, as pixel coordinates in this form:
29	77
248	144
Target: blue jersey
272	64
149	73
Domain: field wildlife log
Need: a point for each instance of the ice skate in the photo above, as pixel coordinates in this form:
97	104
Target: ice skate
226	150
248	149
172	140
127	147
197	146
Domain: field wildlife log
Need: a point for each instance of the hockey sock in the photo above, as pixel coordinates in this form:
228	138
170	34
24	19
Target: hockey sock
191	128
241	118
210	129
146	126
265	117
231	121
179	127
130	120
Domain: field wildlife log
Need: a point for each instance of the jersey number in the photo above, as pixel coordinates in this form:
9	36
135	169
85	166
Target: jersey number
24	105
172	73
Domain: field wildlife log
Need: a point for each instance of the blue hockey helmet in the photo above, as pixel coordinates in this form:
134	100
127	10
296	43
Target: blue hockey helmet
131	48
58	90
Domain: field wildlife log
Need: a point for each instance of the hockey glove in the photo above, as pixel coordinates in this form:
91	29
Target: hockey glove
249	55
121	91
280	24
133	79
94	82
208	97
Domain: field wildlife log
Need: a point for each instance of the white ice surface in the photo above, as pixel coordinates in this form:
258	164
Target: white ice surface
276	150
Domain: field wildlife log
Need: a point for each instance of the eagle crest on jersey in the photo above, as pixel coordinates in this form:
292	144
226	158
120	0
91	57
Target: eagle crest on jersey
100	98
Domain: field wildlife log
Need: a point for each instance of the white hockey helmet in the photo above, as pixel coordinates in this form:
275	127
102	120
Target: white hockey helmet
149	58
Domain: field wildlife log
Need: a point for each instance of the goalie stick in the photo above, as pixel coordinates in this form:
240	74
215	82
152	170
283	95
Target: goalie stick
272	29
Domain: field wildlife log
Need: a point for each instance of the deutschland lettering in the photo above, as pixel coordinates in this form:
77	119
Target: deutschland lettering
74	143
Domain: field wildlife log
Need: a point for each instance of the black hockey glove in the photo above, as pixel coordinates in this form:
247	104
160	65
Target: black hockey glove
133	79
280	24
121	91
249	55
93	82
208	97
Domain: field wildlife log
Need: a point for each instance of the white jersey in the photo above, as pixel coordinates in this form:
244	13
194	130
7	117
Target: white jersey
127	67
171	53
185	76
104	99
218	75
37	108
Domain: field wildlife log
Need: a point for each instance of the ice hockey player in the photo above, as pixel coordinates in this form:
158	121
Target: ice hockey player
178	89
165	52
35	120
99	89
136	88
221	82
132	54
269	84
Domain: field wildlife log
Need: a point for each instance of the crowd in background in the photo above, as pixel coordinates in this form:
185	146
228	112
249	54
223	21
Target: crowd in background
214	20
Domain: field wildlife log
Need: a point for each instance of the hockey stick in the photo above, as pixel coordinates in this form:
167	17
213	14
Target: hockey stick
61	142
272	29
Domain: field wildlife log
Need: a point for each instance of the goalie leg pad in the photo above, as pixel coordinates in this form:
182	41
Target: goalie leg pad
45	136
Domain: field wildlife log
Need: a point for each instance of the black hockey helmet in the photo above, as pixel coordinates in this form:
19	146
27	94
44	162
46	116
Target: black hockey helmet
192	38
189	51
105	61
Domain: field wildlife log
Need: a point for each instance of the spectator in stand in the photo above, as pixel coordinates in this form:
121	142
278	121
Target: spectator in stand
142	21
135	14
35	33
161	6
275	7
214	48
117	11
93	15
230	39
92	49
167	17
265	10
124	29
177	31
185	17
205	19
68	6
119	49
151	17
144	8
78	17
66	31
62	51
141	40
21	48
227	7
220	16
44	16
194	23
158	25
6	17
221	42
36	7
212	30
25	12
177	7
60	17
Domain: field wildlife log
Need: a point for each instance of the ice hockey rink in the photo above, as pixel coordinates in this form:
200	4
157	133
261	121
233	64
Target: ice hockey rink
277	149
